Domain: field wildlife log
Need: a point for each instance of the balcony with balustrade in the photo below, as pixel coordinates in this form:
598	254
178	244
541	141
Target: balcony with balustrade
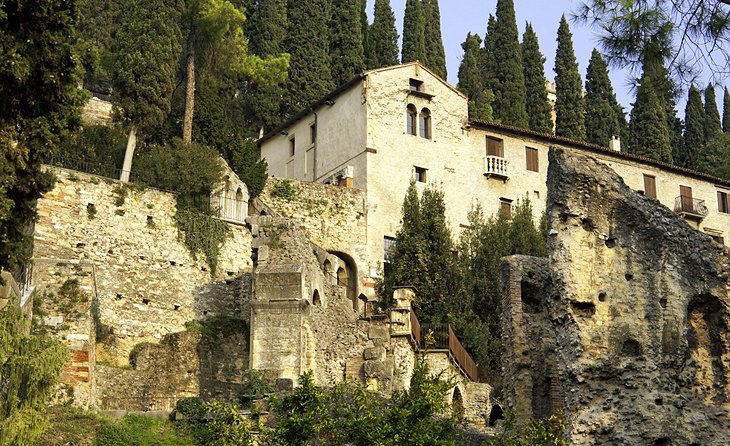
690	208
496	167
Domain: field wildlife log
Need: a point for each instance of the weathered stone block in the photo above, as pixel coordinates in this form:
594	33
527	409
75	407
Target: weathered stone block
374	353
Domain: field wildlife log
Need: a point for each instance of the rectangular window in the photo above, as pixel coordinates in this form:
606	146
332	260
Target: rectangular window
505	207
722	202
292	146
388	248
532	160
312	133
650	186
419	174
415	85
495	147
718	238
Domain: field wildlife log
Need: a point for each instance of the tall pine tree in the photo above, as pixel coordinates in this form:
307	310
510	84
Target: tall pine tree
471	82
414	33
602	120
346	44
266	28
308	43
435	54
509	77
382	43
569	104
694	130
539	111
726	112
648	130
713	125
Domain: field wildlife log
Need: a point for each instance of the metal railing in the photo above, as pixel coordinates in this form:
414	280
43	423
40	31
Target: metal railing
496	166
101	170
442	337
687	205
227	208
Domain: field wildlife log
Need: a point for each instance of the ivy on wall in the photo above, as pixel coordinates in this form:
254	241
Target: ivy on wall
202	233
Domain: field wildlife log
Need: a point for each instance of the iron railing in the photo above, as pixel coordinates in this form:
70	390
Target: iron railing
496	166
78	165
442	337
687	205
225	208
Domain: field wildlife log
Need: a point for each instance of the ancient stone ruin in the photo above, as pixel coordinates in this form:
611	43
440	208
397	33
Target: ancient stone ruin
625	327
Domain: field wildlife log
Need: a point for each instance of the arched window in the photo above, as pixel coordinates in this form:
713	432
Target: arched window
424	123
457	403
411	114
316	300
239	205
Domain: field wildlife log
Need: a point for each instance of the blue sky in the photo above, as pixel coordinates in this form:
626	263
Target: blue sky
458	17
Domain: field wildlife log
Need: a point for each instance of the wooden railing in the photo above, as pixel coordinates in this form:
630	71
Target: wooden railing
442	337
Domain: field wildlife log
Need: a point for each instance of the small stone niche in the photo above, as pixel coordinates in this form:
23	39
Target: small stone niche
631	347
583	309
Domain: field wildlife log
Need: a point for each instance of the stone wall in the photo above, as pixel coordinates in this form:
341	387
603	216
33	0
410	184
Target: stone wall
332	217
147	283
638	310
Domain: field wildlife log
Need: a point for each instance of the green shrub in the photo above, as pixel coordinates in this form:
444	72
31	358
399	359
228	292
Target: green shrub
284	189
188	169
137	430
202	233
99	145
193	408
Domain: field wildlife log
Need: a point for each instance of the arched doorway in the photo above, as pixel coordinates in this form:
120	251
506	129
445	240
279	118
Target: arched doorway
457	403
316	300
495	415
347	277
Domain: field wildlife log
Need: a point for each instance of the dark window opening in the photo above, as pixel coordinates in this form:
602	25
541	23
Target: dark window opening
424	123
415	85
313	133
722	202
419	174
292	146
411	116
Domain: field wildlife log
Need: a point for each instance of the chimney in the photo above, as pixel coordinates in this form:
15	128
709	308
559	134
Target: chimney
615	143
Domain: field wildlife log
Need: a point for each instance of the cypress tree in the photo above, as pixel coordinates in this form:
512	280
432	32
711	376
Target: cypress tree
364	27
308	43
266	29
435	54
509	77
538	109
487	56
713	125
382	37
648	127
666	92
602	120
414	38
569	105
726	112
470	79
694	130
346	44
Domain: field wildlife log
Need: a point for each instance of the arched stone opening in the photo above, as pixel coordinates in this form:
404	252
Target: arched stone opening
239	205
316	300
327	268
457	403
495	414
347	277
424	123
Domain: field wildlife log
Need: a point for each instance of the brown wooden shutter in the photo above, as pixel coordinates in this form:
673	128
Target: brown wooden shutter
685	192
494	147
650	186
722	202
532	159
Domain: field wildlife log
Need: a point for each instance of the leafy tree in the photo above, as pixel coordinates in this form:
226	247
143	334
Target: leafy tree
569	104
266	28
382	37
215	36
713	125
602	109
539	112
228	426
726	112
694	130
471	79
690	34
506	63
40	106
481	246
435	54
648	130
308	42
414	37
30	366
349	413
346	42
143	72
97	27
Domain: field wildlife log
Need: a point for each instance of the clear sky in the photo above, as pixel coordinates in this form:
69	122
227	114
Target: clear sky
458	17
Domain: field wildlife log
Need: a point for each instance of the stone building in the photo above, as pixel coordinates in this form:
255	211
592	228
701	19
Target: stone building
390	125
